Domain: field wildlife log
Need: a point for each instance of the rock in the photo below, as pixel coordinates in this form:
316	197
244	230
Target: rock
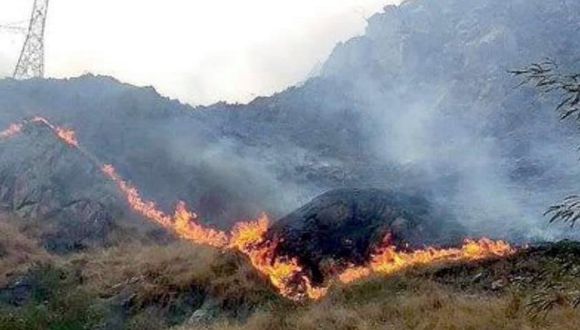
57	190
498	284
200	316
17	293
347	225
204	315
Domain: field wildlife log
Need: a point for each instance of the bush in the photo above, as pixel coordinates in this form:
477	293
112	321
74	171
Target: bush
55	302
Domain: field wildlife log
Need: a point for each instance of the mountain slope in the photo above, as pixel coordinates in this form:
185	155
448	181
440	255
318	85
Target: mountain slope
421	103
59	193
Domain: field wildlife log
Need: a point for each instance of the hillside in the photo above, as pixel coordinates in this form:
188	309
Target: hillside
403	187
378	116
183	286
56	193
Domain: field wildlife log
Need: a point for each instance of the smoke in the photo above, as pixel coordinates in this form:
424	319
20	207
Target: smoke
423	102
229	180
442	106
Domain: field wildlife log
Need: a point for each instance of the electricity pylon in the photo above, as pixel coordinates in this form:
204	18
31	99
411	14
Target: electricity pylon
31	60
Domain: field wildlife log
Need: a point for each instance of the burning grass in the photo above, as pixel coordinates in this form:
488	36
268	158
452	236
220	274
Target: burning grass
489	294
249	238
160	285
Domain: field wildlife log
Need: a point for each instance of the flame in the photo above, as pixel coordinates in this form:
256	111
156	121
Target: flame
247	237
147	209
68	136
65	134
285	275
183	223
12	130
387	260
187	227
250	238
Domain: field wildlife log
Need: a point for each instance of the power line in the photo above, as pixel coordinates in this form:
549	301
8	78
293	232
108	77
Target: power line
31	60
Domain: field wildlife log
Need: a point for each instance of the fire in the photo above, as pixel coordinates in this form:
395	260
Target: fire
247	237
250	238
65	134
387	260
187	227
285	274
145	208
183	223
12	130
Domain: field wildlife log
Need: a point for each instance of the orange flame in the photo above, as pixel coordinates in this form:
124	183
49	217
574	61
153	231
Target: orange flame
188	228
12	130
182	223
249	238
68	136
147	209
285	275
65	134
387	260
246	237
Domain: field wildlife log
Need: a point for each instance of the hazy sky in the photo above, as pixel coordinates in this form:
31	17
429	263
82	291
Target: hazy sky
199	51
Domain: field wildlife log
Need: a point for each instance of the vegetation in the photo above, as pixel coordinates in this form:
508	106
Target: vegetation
159	287
53	302
548	79
432	307
17	252
162	275
133	286
489	295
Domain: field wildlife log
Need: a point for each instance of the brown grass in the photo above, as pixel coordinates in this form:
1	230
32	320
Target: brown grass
17	252
159	273
400	303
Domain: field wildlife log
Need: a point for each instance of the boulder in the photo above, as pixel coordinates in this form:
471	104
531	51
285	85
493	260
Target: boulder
345	226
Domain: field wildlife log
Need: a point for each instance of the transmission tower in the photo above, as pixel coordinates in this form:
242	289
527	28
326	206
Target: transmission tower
31	60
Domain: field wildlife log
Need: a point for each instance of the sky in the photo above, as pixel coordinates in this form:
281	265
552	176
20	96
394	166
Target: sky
199	51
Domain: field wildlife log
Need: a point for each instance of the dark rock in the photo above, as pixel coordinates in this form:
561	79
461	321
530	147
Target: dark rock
60	192
346	225
18	293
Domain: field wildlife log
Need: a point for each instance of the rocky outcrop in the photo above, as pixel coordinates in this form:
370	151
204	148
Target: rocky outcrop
345	226
61	193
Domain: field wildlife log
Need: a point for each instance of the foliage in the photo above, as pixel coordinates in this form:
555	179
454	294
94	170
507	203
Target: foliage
548	79
17	252
55	303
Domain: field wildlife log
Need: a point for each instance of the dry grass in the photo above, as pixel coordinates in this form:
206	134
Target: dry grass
17	252
156	277
157	274
406	304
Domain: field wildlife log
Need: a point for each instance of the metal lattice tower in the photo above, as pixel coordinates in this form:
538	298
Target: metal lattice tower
31	60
